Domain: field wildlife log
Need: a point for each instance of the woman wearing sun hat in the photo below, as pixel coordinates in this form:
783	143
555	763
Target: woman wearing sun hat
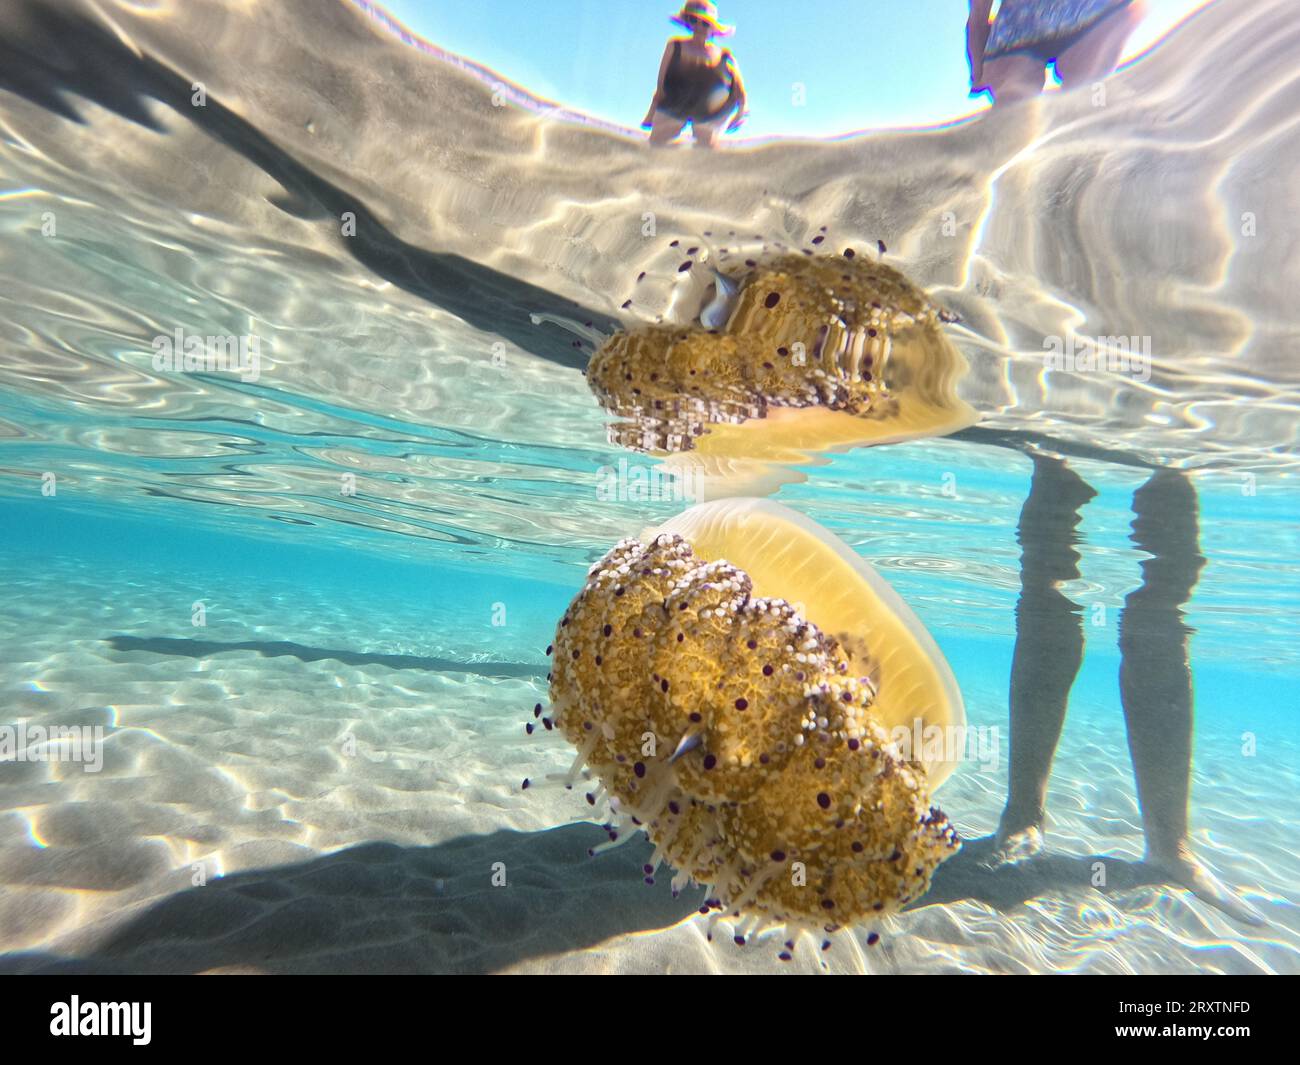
698	82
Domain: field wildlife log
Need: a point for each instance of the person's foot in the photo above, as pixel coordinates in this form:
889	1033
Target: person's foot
1184	869
1016	842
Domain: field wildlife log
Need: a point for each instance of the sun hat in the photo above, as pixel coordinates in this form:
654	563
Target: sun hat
705	12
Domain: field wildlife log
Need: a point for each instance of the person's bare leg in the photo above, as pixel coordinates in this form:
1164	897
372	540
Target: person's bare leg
1155	682
1014	77
1049	648
706	133
1097	53
665	127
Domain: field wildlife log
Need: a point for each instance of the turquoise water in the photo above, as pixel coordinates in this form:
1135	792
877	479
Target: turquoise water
383	530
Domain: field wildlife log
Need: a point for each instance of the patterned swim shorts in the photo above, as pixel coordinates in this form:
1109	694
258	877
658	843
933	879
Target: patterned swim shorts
1044	27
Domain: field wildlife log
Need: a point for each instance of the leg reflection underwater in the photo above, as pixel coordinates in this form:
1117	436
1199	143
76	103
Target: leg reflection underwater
1155	675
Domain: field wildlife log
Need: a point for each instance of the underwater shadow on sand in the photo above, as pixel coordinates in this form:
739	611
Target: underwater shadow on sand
164	645
973	874
382	908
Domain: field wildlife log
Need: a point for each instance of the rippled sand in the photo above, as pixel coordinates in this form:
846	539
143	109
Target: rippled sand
406	355
322	853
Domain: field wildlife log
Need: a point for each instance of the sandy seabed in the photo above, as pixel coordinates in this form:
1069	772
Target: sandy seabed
272	814
304	813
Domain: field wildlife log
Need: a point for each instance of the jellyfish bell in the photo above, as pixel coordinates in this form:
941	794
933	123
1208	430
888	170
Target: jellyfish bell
752	746
797	359
787	556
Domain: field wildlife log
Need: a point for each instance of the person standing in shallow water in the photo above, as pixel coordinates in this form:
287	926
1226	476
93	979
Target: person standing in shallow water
1155	675
1084	38
698	83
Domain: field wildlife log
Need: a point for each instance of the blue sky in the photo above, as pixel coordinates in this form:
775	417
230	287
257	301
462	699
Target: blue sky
864	63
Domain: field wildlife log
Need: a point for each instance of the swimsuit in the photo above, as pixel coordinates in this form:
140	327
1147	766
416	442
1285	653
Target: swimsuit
698	92
1044	28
